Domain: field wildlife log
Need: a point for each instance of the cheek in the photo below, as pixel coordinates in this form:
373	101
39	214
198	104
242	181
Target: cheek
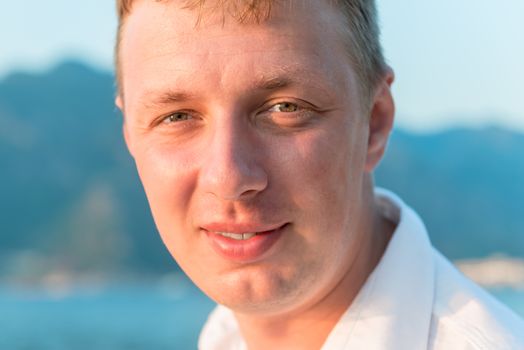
323	176
168	177
321	171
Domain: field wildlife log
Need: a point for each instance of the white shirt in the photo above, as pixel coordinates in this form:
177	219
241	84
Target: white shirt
413	299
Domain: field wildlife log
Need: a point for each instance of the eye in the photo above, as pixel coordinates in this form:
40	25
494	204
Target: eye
176	117
284	107
292	113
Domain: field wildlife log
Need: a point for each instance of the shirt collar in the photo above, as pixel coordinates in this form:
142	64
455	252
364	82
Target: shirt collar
392	310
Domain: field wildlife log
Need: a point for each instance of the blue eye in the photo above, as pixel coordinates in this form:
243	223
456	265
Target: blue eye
284	107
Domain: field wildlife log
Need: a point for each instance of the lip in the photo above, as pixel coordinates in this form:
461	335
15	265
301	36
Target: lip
243	251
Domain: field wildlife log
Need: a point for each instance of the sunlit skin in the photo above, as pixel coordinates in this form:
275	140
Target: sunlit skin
259	124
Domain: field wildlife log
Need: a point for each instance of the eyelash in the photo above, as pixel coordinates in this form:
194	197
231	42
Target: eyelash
187	115
168	117
287	104
300	111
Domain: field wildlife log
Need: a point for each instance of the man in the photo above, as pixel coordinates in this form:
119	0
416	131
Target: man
255	127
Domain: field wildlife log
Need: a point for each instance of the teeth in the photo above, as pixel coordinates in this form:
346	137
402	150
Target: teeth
238	236
248	235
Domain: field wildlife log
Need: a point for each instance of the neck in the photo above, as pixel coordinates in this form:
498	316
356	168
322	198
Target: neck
310	327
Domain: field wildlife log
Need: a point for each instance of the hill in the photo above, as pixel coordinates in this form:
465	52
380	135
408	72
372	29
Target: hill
468	186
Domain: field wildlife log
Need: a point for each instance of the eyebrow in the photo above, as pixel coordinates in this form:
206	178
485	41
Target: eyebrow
265	82
154	99
289	77
273	83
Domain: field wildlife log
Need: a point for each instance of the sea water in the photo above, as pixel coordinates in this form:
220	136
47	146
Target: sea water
132	317
116	318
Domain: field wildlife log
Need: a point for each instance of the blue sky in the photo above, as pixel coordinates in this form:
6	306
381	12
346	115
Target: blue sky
457	62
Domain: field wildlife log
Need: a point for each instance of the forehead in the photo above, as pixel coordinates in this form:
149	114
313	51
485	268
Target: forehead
164	43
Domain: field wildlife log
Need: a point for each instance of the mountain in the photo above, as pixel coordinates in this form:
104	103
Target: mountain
468	186
71	199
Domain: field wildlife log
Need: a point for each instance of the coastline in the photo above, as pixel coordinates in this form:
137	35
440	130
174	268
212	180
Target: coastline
492	272
496	271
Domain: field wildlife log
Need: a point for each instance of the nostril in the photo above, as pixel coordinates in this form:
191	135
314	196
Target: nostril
233	168
249	193
235	186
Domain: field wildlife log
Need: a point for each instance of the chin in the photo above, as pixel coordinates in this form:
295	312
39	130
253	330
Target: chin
261	290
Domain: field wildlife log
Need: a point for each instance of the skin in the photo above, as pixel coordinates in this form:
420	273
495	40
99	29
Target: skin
259	123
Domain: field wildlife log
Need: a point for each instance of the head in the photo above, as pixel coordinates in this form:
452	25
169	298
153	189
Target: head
256	117
360	31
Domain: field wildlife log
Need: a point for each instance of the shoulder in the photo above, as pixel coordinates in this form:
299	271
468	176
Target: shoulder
467	317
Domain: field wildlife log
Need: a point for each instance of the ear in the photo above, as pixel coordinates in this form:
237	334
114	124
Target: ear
120	104
380	121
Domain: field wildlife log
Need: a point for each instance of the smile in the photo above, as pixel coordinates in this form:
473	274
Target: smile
237	236
246	244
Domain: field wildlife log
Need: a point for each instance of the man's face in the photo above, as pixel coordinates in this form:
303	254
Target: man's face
248	128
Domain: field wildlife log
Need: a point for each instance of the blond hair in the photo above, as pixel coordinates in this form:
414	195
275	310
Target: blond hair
363	32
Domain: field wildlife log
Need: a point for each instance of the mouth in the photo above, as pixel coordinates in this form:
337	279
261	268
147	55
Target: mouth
245	235
243	243
237	236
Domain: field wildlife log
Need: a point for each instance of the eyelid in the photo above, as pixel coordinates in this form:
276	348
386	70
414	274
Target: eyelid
301	104
160	120
273	106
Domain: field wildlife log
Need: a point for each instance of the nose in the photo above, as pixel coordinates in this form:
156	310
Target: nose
232	168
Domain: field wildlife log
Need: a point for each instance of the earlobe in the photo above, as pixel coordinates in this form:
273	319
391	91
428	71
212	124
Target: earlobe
381	120
119	103
127	139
